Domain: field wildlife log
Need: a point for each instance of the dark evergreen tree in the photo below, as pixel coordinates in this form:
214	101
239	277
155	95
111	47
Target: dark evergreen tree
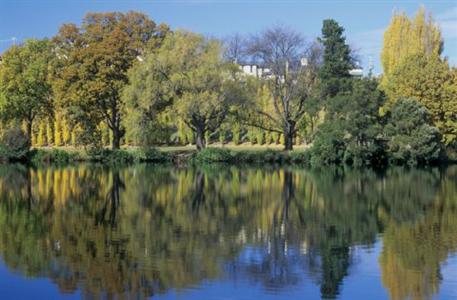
337	61
352	129
410	133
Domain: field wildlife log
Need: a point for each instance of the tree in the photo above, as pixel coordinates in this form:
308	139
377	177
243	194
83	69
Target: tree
235	48
93	64
411	136
25	89
337	61
405	37
431	81
352	129
187	74
293	65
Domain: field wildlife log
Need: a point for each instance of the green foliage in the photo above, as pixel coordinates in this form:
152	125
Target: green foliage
431	81
14	144
328	147
411	136
352	130
152	155
25	89
218	155
236	133
111	157
300	157
334	72
188	74
54	156
210	155
97	56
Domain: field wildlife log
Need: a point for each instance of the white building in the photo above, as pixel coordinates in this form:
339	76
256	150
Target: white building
255	70
261	72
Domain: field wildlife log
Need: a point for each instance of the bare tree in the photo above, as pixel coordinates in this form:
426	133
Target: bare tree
293	64
234	48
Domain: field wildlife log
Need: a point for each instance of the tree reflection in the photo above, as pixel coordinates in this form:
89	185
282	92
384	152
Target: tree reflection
413	251
139	231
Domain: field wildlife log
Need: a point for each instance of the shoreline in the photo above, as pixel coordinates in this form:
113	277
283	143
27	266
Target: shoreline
185	155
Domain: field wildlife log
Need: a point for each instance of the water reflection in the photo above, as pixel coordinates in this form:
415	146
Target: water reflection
140	231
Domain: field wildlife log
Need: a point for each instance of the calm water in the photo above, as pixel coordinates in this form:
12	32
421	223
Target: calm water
227	233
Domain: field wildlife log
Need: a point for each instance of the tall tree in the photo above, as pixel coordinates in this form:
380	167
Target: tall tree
431	81
293	65
94	60
352	127
188	74
337	61
405	37
25	90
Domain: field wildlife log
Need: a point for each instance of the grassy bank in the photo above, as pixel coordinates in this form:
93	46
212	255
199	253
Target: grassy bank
244	154
177	155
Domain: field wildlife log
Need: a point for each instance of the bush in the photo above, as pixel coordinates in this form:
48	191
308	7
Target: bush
352	128
300	157
118	157
51	156
267	156
329	146
209	155
14	144
411	136
152	155
110	156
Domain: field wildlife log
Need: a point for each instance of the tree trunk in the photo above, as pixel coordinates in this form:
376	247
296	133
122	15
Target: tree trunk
29	133
116	144
200	138
289	131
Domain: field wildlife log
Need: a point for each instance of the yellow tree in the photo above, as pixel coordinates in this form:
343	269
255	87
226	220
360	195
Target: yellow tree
433	83
405	37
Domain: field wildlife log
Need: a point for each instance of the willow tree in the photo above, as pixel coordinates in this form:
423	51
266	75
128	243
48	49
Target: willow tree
93	64
293	66
25	90
188	77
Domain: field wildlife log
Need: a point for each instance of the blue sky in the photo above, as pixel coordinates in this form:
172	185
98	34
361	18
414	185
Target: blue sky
364	20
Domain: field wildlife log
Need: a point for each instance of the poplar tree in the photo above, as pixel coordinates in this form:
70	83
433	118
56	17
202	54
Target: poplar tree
413	68
405	37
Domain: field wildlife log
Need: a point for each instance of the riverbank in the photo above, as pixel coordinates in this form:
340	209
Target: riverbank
233	154
176	155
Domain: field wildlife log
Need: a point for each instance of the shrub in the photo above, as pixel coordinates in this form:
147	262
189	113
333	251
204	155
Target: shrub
110	156
14	144
51	156
152	155
411	137
300	157
96	153
267	156
329	146
352	128
118	157
213	155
